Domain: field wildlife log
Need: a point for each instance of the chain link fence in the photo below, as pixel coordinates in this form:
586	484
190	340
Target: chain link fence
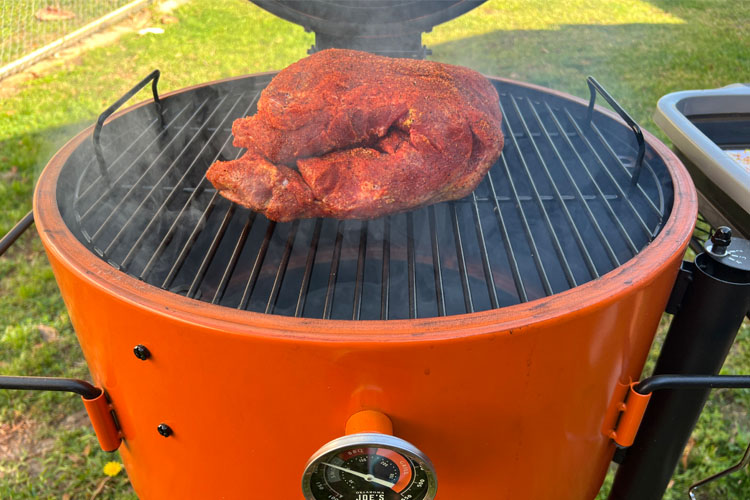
26	26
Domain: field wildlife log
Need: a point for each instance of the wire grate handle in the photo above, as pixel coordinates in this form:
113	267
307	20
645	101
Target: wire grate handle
154	79
595	87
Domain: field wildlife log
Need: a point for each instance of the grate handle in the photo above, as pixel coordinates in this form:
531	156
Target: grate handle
154	79
595	87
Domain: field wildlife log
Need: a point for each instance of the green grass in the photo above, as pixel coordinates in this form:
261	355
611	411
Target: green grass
639	50
21	32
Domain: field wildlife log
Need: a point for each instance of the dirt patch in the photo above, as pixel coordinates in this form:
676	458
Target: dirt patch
19	441
14	438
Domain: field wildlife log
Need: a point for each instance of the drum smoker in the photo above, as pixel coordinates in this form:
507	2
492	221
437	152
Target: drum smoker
490	345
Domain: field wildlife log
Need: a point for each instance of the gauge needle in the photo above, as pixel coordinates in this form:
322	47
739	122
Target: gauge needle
366	477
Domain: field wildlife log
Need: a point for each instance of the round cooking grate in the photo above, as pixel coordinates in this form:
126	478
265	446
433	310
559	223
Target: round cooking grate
557	210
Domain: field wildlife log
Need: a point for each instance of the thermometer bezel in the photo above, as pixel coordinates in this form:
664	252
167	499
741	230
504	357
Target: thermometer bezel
370	440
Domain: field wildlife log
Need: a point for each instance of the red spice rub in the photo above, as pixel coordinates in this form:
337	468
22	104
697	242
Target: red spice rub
348	134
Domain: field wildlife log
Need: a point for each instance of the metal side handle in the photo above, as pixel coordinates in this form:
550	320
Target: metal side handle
637	400
95	400
15	232
631	400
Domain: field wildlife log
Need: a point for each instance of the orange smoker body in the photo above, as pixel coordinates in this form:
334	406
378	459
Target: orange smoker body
507	403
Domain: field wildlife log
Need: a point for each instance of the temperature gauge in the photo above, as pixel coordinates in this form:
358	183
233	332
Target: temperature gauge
369	466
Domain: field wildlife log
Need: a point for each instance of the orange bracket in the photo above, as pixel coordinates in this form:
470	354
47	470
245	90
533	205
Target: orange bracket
630	411
102	419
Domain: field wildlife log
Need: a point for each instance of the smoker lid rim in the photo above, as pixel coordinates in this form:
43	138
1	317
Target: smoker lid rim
394	27
639	271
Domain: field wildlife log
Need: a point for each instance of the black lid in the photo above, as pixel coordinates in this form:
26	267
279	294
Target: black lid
390	27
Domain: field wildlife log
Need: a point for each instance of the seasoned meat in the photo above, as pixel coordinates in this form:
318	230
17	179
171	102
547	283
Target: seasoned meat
348	134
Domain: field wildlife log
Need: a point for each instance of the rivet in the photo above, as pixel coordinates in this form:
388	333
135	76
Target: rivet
141	352
164	430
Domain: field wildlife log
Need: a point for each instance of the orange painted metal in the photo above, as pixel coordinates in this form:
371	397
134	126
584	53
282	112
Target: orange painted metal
507	403
100	414
614	409
631	416
369	421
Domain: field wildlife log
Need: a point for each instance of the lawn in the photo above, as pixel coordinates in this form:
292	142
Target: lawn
640	50
21	30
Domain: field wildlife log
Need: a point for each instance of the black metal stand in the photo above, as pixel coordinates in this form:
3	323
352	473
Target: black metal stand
703	329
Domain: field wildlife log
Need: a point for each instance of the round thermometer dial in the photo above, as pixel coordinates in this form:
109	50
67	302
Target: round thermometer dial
369	466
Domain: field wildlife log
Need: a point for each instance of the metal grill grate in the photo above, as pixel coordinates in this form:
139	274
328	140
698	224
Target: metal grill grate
557	210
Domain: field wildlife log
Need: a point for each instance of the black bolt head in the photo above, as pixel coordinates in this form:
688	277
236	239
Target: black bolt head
141	352
164	430
722	236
